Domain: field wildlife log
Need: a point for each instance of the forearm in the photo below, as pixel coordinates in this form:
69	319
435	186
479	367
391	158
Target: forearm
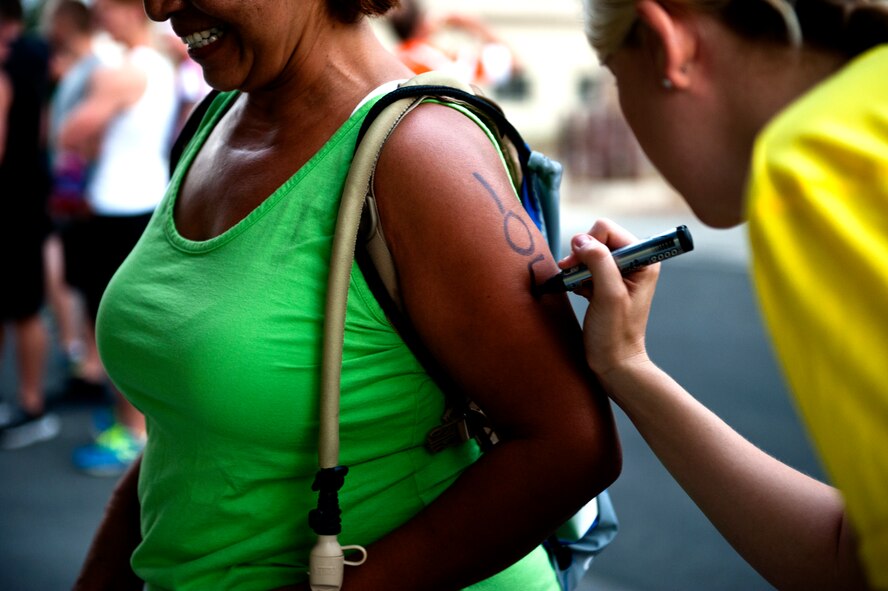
495	513
791	528
472	26
107	564
82	135
110	92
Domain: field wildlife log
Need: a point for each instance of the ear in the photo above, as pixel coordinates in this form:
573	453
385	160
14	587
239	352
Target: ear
676	39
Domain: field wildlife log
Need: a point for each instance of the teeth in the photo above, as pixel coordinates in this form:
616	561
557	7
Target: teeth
203	38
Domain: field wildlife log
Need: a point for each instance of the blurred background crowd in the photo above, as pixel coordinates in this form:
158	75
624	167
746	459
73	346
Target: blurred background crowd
93	96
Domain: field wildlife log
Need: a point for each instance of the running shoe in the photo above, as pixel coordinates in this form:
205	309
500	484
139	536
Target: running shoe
7	414
102	420
24	430
111	454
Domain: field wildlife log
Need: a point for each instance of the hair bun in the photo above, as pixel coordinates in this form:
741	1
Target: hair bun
866	26
849	26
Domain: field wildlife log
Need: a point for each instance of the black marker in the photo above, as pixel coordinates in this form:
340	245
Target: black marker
628	258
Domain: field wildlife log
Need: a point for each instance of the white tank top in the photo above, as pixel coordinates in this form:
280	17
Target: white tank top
130	175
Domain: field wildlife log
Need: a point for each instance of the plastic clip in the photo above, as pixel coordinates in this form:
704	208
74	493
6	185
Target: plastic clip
451	433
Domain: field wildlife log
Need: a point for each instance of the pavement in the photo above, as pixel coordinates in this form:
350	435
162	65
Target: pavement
704	330
646	207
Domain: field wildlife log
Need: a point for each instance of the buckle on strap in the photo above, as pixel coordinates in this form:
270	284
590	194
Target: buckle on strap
450	433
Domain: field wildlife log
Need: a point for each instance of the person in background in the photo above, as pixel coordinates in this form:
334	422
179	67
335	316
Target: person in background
24	225
213	327
123	125
773	112
483	59
70	32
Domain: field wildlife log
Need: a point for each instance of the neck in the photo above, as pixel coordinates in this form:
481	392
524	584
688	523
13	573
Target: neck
339	70
767	86
755	89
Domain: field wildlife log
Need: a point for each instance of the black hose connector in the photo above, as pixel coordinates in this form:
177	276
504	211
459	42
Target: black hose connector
325	520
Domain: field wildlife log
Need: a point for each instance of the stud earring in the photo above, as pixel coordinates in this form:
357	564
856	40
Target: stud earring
666	83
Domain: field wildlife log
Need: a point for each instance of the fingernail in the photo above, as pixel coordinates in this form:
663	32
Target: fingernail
581	240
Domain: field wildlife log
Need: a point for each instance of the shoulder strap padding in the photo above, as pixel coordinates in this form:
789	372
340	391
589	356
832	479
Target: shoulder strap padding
189	129
358	211
392	109
358	186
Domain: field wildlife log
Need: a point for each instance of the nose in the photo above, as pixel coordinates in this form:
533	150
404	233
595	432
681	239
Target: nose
160	10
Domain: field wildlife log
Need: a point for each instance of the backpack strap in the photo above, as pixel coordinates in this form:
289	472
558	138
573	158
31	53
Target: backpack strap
462	419
327	561
534	176
190	128
535	179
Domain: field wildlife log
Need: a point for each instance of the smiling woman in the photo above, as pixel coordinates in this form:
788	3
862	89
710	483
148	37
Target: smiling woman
213	328
203	38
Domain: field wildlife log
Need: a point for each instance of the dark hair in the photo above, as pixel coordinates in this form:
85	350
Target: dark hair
76	13
350	11
11	10
756	20
406	18
849	27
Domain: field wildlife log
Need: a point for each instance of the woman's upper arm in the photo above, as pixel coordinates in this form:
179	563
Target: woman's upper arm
467	256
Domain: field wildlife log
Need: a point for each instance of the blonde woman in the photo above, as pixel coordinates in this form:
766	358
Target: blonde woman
773	112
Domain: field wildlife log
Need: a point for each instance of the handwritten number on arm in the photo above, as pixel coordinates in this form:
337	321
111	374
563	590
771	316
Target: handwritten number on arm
515	230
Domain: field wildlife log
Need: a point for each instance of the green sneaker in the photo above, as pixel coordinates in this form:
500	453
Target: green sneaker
111	454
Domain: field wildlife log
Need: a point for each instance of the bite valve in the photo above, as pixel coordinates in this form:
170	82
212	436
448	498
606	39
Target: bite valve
327	562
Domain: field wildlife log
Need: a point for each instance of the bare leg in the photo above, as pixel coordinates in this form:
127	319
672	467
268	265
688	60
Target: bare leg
31	347
31	424
118	444
127	414
60	296
91	369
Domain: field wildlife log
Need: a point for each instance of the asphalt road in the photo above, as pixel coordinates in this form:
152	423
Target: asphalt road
704	329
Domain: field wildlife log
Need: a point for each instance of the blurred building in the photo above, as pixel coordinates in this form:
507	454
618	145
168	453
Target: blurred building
565	103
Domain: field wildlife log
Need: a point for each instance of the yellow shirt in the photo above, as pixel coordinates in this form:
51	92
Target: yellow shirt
818	223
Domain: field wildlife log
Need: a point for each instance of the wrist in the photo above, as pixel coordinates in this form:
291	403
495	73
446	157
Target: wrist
621	379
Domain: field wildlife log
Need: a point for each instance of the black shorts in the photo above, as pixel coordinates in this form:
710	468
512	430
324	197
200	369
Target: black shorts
94	249
21	266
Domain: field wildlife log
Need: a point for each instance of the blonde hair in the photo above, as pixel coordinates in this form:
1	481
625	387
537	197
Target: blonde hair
607	24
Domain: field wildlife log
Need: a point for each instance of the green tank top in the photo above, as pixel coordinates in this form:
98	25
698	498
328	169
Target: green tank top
218	343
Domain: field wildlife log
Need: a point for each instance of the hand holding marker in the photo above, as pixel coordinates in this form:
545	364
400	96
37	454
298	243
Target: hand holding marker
628	258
